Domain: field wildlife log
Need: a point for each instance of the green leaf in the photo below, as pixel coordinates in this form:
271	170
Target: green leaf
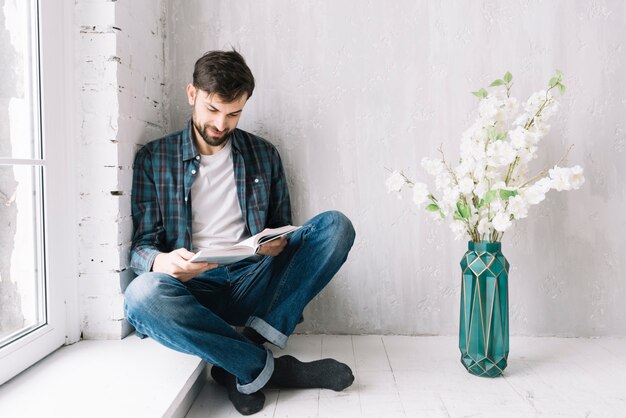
462	209
482	93
508	77
491	132
491	194
480	204
496	83
432	208
561	88
505	194
553	81
500	136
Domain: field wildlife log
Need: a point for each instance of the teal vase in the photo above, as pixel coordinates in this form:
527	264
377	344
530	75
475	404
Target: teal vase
484	325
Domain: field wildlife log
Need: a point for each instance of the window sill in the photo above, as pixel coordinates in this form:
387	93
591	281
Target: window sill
131	377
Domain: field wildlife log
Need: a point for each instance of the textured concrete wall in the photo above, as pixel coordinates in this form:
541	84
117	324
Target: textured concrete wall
122	64
346	88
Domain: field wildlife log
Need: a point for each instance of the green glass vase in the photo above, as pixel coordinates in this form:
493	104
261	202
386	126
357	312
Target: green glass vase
484	325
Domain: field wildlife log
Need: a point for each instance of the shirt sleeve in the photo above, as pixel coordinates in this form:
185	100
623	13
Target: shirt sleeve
279	212
147	222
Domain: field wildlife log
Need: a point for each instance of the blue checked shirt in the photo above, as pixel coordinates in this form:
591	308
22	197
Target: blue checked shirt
161	201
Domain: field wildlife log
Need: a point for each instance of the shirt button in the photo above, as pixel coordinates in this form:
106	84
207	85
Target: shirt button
193	171
256	180
185	199
197	157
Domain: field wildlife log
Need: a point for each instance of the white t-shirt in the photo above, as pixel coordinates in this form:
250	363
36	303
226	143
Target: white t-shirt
216	217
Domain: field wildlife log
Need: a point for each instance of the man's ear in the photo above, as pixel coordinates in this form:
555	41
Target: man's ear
191	94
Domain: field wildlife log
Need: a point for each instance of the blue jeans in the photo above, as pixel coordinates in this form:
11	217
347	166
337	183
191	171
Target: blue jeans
268	295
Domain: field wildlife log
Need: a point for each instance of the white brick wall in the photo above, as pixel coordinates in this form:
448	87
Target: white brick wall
121	58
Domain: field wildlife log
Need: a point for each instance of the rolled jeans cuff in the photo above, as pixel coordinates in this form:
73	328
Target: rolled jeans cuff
262	379
270	333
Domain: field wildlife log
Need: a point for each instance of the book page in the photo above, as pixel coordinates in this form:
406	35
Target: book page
244	249
267	235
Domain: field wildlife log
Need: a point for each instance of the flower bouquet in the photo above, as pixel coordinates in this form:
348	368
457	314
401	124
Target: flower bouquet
483	195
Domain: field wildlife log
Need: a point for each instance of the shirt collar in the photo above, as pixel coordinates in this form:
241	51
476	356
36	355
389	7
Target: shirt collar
189	148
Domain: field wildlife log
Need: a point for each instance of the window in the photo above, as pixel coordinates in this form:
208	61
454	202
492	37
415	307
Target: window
36	252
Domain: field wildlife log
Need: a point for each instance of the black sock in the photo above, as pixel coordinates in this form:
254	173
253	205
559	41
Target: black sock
324	374
244	404
252	335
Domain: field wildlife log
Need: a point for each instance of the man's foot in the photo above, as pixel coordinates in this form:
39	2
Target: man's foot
244	404
324	374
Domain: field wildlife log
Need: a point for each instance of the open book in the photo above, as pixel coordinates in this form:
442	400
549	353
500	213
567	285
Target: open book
245	249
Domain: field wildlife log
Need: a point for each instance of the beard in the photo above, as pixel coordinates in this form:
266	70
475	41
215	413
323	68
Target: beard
205	133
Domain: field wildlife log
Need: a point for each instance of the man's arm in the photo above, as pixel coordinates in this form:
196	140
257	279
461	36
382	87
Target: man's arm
147	222
279	211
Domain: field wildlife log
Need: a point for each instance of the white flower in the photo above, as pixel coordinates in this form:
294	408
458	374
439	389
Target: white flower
576	177
450	197
497	206
545	184
479	169
488	107
563	178
395	182
505	132
511	106
484	226
534	101
533	194
495	174
498	185
500	153
466	185
501	222
549	109
521	120
432	166
465	167
518	207
481	189
518	137
443	180
560	178
420	193
459	229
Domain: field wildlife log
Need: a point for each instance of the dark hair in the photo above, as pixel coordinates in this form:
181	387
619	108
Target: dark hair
224	73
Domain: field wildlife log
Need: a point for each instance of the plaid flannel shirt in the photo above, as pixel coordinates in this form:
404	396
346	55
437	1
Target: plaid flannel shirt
161	201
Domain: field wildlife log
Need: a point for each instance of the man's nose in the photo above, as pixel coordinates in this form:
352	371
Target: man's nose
220	123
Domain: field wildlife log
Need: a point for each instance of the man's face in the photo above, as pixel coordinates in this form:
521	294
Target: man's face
213	120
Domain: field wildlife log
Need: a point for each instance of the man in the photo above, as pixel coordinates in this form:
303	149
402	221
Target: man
212	184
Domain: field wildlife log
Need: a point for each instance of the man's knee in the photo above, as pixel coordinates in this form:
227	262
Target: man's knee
338	230
144	291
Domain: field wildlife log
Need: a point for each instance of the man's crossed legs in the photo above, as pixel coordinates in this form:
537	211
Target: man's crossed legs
266	296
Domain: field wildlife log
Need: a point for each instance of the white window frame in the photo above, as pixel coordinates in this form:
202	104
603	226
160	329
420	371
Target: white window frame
58	94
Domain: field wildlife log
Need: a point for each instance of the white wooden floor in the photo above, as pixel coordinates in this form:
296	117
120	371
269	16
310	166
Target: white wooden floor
400	376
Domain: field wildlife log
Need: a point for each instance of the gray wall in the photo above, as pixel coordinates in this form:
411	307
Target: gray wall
347	88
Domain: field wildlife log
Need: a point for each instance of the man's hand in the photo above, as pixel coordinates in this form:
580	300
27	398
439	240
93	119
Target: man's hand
176	264
274	247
